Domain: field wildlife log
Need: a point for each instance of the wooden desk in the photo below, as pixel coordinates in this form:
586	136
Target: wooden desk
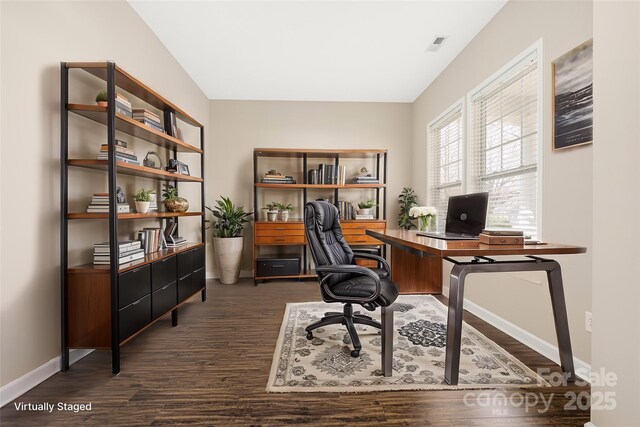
428	247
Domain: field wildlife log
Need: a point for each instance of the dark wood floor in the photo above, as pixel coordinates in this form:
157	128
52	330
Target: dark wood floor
213	368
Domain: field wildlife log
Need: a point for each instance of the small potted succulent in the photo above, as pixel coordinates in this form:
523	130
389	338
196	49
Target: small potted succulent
101	98
172	202
143	200
365	208
283	211
272	211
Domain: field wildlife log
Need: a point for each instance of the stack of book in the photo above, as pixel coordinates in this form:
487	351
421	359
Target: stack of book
277	179
100	204
128	251
148	118
123	154
365	180
123	106
502	237
151	239
358	216
346	210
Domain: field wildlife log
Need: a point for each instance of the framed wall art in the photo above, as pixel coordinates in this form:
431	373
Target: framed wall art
573	97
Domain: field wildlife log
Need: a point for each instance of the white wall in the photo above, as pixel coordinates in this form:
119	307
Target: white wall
35	37
616	155
240	126
566	175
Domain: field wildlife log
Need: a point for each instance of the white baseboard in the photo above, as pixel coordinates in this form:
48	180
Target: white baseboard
541	346
19	386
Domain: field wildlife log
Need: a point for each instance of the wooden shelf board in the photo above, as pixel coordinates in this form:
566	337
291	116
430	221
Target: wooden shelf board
317	153
318	186
131	215
136	170
132	127
148	259
135	87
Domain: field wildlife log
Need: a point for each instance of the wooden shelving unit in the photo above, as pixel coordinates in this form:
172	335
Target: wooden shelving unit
290	233
105	306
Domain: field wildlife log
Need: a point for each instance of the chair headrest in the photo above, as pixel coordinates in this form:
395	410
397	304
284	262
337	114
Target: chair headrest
325	215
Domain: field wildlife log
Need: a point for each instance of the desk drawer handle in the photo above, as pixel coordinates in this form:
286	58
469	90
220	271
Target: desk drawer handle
280	240
277	266
359	241
280	228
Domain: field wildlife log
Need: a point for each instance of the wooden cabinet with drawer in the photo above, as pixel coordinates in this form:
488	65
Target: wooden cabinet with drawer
354	232
280	233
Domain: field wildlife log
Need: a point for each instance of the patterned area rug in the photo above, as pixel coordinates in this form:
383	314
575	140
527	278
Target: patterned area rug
325	363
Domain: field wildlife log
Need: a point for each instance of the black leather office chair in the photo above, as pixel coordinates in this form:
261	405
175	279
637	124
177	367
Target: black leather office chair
341	279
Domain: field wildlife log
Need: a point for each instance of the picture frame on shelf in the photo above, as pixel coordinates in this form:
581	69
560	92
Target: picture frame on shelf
572	75
183	169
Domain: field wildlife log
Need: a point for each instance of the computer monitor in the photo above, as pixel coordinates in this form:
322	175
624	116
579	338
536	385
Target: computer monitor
467	213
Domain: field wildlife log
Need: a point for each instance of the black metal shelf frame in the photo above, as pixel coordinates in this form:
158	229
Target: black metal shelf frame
113	219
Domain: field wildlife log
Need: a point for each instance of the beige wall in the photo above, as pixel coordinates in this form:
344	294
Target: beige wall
566	175
616	295
237	127
35	37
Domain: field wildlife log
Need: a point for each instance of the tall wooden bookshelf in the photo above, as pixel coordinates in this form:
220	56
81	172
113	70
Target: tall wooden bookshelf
105	306
290	234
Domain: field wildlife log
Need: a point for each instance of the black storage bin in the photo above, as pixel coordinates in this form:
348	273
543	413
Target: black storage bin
269	267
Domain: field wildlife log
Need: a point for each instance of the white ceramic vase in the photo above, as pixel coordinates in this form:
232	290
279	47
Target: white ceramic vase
142	207
228	252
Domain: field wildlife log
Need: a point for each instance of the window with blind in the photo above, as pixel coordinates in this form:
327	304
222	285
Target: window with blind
446	167
503	156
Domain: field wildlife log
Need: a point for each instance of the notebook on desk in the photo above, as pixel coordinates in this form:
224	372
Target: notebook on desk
466	217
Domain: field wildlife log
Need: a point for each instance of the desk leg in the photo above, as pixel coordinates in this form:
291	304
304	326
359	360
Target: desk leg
556	290
387	341
454	324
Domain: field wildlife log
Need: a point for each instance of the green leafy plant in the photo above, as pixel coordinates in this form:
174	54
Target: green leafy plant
273	206
231	219
169	191
101	96
282	207
367	204
143	195
407	200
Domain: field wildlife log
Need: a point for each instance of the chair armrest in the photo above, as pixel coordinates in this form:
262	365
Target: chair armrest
328	270
385	264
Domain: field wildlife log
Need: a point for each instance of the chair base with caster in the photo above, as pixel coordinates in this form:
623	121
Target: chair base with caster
349	319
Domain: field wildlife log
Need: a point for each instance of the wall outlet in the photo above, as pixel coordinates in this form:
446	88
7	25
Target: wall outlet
587	321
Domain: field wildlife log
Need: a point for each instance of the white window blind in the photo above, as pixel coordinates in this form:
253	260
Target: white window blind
446	168
504	146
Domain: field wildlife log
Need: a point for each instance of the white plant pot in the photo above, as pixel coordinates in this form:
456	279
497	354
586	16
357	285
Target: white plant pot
142	207
272	215
283	216
228	253
367	211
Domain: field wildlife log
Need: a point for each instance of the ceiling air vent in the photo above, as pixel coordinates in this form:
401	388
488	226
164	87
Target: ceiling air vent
436	43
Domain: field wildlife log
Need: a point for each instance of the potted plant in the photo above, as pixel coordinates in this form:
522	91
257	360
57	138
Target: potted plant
143	200
407	200
101	98
272	211
283	211
364	208
172	202
227	239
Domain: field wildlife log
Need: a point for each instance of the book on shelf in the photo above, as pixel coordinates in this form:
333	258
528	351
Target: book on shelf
143	112
105	259
103	155
104	148
278	181
342	175
502	232
500	239
153	125
104	208
365	180
345	210
119	159
365	217
122	110
176	242
170	125
123	245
